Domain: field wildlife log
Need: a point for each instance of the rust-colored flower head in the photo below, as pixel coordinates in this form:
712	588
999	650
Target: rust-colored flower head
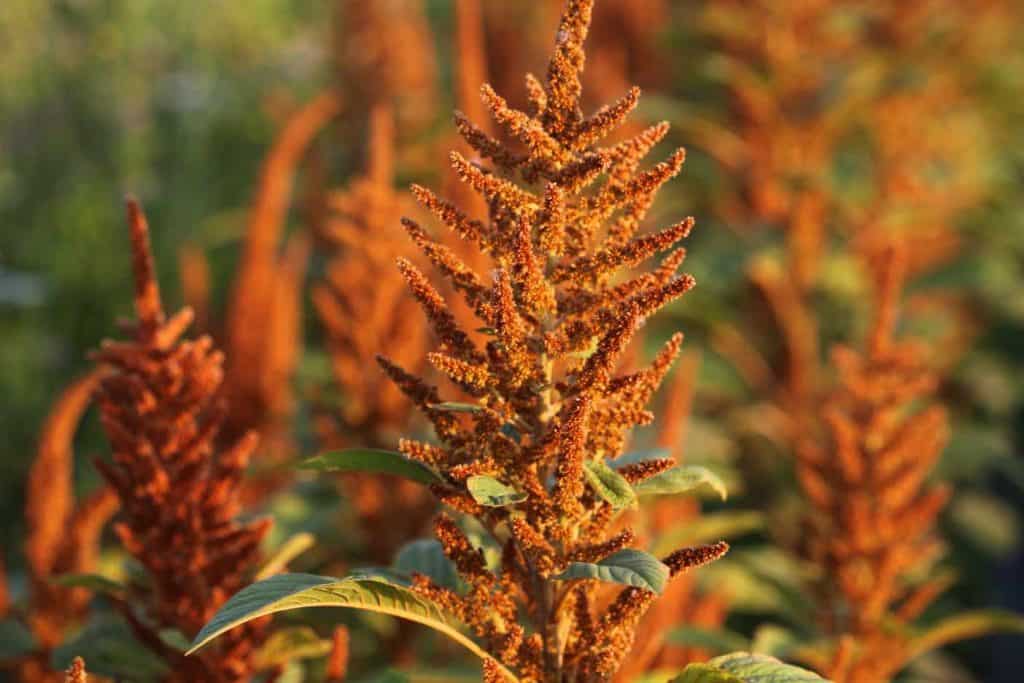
870	526
161	410
557	310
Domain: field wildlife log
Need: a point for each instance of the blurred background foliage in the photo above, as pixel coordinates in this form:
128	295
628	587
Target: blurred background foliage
178	102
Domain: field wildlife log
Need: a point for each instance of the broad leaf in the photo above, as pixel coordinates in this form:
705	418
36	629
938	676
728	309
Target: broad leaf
286	592
743	667
609	484
285	645
964	626
289	550
628	566
492	493
426	556
374	461
680	480
93	582
713	640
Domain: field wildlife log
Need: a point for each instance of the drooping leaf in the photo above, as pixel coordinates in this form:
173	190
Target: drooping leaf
372	460
15	640
289	550
426	556
490	492
628	566
286	592
743	667
681	479
285	645
609	484
711	639
113	651
709	527
964	626
93	582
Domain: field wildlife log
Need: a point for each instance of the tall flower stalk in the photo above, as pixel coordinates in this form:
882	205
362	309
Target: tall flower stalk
549	410
161	410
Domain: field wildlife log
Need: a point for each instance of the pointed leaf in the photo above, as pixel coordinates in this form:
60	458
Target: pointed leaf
743	667
426	556
289	550
628	566
609	484
492	493
964	626
286	592
680	480
372	460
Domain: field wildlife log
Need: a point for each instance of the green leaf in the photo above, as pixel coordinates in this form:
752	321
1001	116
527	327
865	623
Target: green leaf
15	640
111	650
707	528
289	550
680	480
286	592
711	639
743	667
286	645
964	626
372	460
455	407
173	638
628	566
492	493
427	557
93	582
609	484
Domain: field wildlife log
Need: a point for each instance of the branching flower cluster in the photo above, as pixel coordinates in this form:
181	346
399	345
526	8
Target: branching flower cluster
870	529
548	405
161	410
